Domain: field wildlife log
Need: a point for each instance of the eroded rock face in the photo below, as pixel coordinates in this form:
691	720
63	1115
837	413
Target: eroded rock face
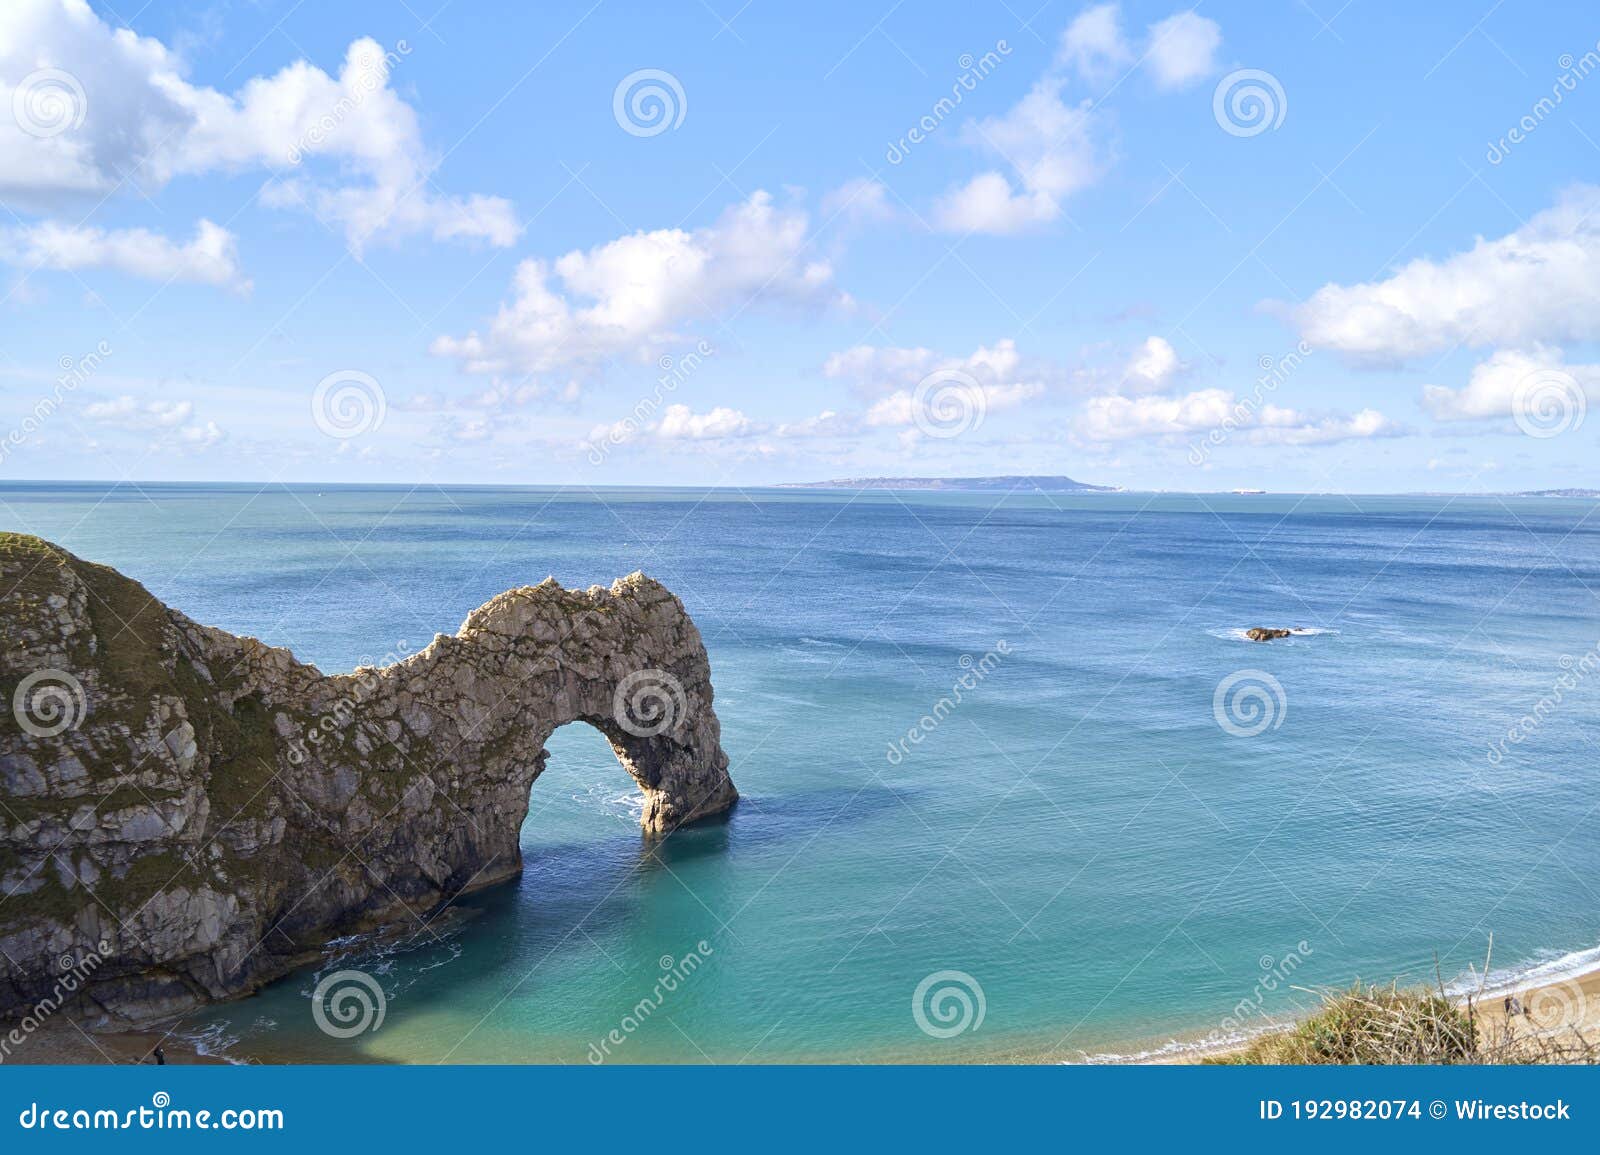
200	811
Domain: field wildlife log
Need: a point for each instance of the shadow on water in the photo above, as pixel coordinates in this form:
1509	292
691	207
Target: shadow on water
569	894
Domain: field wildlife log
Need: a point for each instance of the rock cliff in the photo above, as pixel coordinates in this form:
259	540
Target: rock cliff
197	812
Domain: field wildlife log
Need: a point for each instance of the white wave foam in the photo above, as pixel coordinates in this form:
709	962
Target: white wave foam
1554	967
625	804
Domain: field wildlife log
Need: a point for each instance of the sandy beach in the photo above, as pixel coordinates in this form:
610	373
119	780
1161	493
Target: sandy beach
1559	1009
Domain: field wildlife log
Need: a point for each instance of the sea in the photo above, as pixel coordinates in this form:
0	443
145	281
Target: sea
1015	785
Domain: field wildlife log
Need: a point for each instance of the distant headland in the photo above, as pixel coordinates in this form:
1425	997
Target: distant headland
1011	483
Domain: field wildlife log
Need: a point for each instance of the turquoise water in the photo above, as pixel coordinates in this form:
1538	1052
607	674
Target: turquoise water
1079	835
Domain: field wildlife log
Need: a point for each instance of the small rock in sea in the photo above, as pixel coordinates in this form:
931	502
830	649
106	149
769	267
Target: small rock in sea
1265	633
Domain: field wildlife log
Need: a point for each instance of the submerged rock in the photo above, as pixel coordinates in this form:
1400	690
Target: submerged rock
188	814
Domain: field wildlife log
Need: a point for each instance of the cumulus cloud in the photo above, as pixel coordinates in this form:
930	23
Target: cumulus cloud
907	384
1178	51
828	423
102	108
1152	367
1509	379
1052	151
879	369
1292	427
210	257
1182	50
860	201
1117	418
1540	283
905	408
630	297
169	421
680	423
1094	43
1052	145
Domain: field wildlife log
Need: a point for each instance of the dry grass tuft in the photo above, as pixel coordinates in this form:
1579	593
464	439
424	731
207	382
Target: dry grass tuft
1373	1025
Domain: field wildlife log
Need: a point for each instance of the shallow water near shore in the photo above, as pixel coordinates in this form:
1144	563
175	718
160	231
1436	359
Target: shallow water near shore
1080	835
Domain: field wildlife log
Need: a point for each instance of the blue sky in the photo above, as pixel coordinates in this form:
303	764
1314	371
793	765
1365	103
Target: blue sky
1295	248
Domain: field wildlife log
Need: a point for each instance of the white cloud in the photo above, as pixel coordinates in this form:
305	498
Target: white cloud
1182	50
862	200
106	107
680	423
828	423
1540	283
1094	44
1493	388
878	369
1052	146
904	408
988	379
168	421
211	257
1052	151
1178	51
1292	427
629	297
127	413
1119	418
201	436
1153	367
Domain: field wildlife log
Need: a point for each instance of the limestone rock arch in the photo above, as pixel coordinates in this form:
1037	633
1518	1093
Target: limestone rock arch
216	810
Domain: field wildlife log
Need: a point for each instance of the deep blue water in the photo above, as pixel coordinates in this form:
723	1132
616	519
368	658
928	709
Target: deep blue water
1079	835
